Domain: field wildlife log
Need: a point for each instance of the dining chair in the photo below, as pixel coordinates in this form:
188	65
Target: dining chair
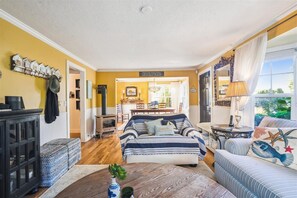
121	117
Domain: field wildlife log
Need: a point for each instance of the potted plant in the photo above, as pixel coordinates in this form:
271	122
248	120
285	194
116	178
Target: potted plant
119	172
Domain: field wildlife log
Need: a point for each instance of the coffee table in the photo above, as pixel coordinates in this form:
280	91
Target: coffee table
150	180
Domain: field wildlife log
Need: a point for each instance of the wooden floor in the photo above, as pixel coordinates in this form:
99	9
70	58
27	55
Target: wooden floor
102	151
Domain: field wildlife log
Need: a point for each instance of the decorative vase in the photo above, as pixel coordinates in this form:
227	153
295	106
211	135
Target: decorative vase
114	189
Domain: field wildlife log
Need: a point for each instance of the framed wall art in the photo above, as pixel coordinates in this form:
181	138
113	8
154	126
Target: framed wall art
131	91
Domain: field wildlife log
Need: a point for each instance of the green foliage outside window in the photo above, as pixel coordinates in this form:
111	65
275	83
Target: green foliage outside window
278	107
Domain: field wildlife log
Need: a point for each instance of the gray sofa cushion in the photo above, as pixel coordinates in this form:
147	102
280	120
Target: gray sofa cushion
262	178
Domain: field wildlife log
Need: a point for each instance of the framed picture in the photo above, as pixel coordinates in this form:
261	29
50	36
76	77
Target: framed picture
131	91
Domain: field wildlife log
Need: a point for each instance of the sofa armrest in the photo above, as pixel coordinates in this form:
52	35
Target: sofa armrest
238	146
194	133
129	134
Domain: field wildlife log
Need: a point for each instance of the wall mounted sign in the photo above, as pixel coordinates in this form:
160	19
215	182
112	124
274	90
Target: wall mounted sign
193	90
33	68
151	74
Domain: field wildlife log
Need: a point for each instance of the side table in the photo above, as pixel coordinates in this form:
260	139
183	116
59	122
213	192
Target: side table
223	130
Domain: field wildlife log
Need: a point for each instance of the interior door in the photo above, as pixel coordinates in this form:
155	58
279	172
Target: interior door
205	108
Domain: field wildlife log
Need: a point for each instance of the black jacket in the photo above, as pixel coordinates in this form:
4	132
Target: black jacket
51	107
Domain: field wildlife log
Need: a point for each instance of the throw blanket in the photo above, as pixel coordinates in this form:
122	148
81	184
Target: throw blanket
188	140
154	145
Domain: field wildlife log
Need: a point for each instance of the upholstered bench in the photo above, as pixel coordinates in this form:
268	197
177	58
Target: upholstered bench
54	163
73	146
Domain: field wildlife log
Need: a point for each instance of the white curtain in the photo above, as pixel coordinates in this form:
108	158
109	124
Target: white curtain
248	63
174	89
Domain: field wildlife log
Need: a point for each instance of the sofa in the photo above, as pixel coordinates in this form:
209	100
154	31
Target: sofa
248	176
185	146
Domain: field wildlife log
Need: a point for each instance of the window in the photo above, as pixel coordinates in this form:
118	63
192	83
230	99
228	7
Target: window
276	91
164	95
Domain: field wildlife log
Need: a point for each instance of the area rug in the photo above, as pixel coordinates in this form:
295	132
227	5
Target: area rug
79	171
122	127
75	173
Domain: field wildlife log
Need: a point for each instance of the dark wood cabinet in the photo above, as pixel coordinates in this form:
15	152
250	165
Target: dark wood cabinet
19	152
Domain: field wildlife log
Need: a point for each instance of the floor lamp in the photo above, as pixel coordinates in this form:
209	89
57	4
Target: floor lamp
237	89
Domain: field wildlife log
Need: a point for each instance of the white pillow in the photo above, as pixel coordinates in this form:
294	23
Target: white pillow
150	125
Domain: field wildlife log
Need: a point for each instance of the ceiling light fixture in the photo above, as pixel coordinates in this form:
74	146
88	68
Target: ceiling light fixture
146	9
154	88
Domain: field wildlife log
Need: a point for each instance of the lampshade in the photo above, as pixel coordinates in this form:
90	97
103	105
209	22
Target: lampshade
237	88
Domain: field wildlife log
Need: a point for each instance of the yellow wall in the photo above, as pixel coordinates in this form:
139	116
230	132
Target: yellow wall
109	78
16	41
141	86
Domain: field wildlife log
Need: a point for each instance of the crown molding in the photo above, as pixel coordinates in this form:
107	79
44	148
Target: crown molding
4	15
280	16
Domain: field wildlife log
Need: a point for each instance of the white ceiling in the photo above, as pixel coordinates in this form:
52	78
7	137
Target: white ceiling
116	35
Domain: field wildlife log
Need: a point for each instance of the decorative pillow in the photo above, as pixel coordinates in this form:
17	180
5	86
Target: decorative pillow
164	130
150	125
277	145
171	122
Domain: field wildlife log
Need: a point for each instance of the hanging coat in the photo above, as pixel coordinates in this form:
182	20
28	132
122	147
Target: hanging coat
51	107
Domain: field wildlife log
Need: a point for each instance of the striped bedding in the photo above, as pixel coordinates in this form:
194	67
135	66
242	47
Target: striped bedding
135	141
151	145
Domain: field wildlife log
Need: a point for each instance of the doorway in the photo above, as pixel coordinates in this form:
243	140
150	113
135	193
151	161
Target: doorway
169	93
205	96
76	101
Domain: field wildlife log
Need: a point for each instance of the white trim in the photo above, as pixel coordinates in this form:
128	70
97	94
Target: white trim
83	128
280	16
294	99
4	15
281	47
277	95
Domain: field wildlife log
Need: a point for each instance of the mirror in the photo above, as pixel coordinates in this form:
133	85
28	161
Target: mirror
223	74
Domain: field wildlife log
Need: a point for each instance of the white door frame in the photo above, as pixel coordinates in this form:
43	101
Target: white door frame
83	128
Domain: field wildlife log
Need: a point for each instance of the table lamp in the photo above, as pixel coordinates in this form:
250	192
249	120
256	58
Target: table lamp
237	89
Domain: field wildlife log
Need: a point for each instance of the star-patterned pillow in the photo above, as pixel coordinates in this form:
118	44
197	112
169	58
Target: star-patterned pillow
277	145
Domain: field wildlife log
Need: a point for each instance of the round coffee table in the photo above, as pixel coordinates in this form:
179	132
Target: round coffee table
150	180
